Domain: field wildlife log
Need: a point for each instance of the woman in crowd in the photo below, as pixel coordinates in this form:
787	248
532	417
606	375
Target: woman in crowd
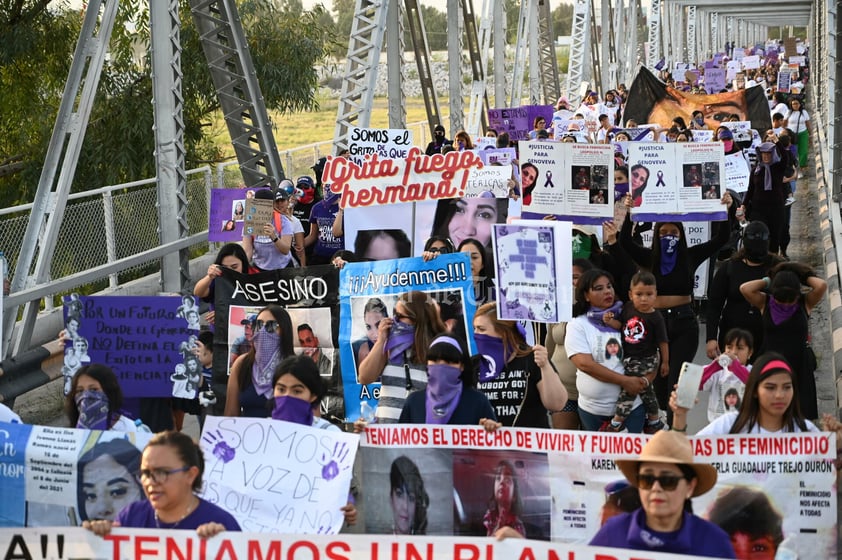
450	397
108	479
520	379
439	244
568	417
94	401
462	141
770	404
767	193
674	265
250	381
785	311
408	498
271	246
538	124
399	356
171	470
587	342
798	119
231	256
505	505
666	478
727	308
298	390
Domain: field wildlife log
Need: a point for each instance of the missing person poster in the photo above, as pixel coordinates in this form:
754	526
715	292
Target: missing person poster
682	181
370	293
573	182
309	296
270	474
227	214
533	271
567	484
146	340
59	477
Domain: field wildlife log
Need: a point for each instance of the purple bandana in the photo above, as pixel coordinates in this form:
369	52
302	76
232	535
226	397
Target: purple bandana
401	339
669	253
781	311
595	316
93	410
443	391
492	356
291	409
267	355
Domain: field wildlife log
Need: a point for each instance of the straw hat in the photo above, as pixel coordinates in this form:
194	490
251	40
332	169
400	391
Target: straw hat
669	447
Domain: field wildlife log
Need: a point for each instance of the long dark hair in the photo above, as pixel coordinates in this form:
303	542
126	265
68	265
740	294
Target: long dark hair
517	503
747	418
110	386
421	308
304	369
446	209
404	474
233	250
122	452
586	282
282	317
445	351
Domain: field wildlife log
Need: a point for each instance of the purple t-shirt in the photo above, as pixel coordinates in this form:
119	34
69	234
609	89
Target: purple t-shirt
141	515
323	216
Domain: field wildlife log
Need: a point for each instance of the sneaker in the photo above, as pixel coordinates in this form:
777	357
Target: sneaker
654	428
607	427
789	200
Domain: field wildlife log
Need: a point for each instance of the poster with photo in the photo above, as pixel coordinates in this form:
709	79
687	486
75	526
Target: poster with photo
382	232
681	181
147	340
533	264
227	212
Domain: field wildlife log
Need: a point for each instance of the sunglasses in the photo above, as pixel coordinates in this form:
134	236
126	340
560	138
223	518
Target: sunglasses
668	482
269	326
401	316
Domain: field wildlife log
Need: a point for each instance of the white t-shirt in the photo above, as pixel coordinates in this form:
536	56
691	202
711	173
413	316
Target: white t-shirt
596	397
795	123
722	426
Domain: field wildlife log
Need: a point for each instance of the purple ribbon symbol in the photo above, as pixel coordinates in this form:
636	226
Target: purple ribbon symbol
661	182
549	181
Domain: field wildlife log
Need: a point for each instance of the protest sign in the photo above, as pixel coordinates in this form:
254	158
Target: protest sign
227	212
736	172
738	53
562	478
310	296
368	293
741	130
459	219
498	156
54	477
703	135
489	182
790	46
799	60
784	79
392	143
534	273
174	544
485	143
714	80
379	180
259	212
751	62
732	68
681	181
518	121
574	182
146	340
271	474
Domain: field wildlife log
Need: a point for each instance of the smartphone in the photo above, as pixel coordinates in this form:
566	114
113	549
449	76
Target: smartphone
688	384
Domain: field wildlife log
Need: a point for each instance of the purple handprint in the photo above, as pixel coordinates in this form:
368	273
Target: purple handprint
221	449
331	466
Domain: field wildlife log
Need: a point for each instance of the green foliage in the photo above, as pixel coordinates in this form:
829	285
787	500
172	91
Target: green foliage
562	20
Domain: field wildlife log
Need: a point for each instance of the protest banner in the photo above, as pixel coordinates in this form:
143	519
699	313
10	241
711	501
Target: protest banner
740	129
368	292
533	271
573	182
732	68
517	121
382	232
146	340
799	60
489	182
169	544
651	101
784	79
751	62
790	46
310	296
272	475
391	143
459	219
497	156
703	135
379	180
681	181
736	172
714	80
485	143
227	212
57	477
561	479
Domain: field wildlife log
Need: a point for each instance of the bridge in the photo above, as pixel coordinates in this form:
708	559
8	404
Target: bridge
606	49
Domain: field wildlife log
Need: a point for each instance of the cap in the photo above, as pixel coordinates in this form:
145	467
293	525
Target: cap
249	319
766	147
305	182
725	134
263	194
282	193
439	127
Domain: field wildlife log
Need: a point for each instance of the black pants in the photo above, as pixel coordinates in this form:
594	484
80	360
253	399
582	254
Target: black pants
683	333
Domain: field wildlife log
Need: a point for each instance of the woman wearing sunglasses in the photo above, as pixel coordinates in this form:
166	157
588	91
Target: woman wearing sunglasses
666	478
171	471
250	382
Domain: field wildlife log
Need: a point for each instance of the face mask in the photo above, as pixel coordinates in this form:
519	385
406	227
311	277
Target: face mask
610	104
669	253
93	410
267	354
291	409
443	390
401	339
620	190
307	196
728	145
492	359
700	120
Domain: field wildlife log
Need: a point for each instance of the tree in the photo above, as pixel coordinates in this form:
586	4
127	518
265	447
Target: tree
36	47
562	17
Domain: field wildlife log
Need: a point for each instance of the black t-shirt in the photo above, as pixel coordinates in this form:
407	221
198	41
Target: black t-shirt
514	395
642	332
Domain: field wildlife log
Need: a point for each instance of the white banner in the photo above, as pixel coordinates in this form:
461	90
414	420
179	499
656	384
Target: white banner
385	142
736	172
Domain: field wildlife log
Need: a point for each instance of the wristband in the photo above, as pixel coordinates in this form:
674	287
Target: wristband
767	281
275	240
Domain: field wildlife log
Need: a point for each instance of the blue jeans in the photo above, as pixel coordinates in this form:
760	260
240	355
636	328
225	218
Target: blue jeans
592	422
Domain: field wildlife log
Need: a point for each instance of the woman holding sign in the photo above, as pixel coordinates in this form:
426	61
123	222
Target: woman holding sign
674	265
171	471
